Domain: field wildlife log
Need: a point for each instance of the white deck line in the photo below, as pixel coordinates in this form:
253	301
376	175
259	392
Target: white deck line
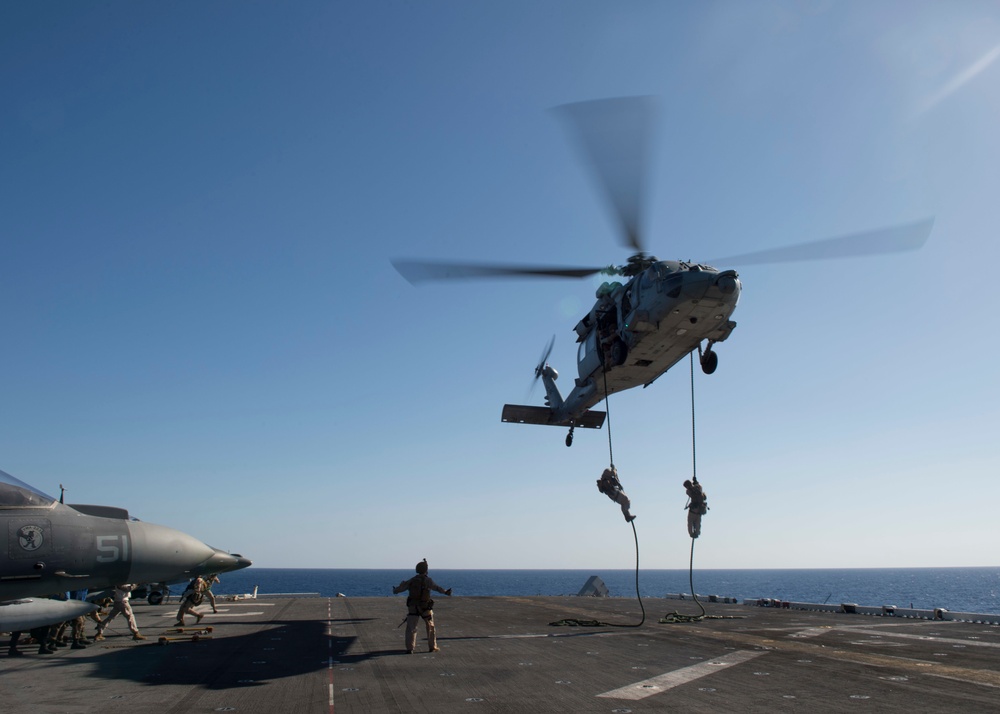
669	680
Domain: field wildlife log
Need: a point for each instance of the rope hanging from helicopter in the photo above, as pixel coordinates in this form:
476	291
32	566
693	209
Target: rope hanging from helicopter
635	535
677	616
611	460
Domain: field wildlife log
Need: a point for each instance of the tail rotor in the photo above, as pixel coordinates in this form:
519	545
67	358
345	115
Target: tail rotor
542	364
545	358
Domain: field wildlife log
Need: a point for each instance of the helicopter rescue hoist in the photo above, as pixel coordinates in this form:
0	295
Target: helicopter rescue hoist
664	309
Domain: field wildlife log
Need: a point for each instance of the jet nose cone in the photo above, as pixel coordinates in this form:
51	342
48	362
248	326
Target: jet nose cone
163	554
223	562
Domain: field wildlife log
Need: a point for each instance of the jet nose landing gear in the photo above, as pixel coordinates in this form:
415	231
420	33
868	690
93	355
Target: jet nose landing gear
569	436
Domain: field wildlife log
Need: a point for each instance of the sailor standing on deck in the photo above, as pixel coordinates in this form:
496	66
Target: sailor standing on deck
419	605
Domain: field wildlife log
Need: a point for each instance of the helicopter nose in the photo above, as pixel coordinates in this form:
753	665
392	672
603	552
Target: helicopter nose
727	282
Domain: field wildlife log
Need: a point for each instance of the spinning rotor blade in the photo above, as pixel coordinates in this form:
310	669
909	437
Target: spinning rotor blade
545	357
418	271
541	365
896	239
614	135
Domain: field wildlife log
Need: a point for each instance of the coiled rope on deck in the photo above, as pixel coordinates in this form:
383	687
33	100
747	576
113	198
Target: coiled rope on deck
680	617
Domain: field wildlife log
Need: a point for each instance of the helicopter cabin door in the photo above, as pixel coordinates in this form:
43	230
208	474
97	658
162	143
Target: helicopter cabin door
588	356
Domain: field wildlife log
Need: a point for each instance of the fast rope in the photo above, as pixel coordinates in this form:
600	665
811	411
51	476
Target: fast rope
597	623
677	616
694	452
607	410
680	617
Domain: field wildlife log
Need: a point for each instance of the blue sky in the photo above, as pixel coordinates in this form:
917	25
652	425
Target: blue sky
200	322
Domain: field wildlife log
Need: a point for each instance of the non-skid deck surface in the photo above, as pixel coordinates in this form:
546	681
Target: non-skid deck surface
501	655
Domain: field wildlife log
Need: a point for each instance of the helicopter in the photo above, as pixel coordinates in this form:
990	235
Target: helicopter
661	310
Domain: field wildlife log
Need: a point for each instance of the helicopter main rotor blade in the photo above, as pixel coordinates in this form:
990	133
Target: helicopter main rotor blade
418	271
895	239
614	135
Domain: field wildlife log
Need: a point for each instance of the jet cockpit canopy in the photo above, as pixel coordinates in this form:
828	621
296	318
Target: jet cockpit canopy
15	493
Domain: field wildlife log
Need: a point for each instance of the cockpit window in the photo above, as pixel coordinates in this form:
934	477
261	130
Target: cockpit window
15	493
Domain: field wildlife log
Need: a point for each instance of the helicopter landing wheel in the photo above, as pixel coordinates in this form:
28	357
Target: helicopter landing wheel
619	353
569	437
709	361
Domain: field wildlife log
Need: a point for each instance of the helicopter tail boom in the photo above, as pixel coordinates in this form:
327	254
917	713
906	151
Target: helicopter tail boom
522	414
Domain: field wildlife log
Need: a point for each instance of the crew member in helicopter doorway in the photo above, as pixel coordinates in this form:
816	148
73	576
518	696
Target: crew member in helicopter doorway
697	506
610	486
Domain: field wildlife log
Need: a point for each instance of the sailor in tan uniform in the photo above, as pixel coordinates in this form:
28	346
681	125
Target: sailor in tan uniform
121	596
192	597
419	605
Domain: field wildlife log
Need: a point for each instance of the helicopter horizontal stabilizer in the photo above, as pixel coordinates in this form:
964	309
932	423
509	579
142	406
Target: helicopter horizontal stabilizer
521	414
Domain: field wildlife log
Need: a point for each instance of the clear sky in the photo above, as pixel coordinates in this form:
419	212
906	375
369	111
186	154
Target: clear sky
199	320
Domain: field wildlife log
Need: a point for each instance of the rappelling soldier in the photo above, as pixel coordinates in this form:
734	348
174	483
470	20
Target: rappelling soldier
419	605
697	506
610	486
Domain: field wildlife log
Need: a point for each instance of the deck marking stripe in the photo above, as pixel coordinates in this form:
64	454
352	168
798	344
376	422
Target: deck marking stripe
248	604
329	659
213	615
941	640
329	669
812	632
959	679
669	680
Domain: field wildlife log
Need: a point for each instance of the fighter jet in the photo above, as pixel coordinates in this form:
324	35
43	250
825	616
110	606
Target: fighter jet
54	547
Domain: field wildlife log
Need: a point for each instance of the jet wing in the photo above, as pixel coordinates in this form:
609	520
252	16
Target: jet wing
521	414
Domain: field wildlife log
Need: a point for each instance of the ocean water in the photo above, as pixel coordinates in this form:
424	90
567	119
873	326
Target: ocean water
956	589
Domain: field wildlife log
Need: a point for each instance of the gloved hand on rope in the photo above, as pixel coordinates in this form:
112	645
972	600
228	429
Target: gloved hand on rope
610	486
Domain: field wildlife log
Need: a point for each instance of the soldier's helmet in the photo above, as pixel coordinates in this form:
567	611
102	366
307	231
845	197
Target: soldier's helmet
422	567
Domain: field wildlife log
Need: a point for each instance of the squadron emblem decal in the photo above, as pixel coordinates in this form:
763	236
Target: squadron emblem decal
30	537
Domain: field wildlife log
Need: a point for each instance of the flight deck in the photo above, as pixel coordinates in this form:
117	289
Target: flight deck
501	654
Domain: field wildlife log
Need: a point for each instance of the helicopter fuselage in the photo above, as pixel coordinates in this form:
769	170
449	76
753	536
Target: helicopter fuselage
638	330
